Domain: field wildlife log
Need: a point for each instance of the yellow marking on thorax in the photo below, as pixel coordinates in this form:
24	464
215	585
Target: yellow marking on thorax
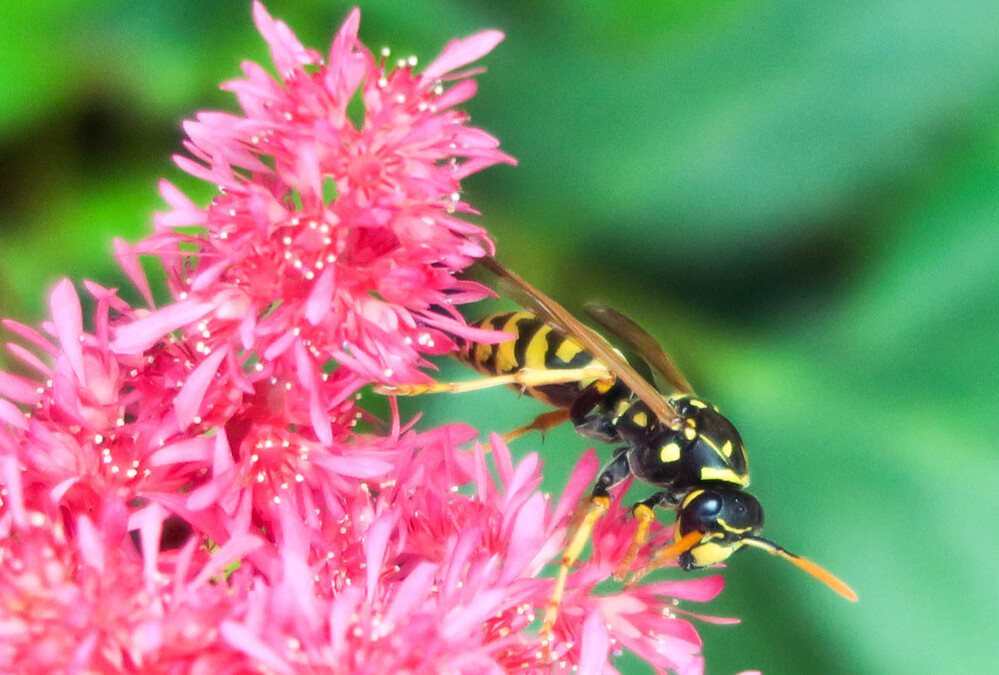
669	453
726	475
641	419
690	433
726	450
621	408
698	404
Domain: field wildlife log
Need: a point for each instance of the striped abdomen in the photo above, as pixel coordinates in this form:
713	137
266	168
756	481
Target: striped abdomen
538	346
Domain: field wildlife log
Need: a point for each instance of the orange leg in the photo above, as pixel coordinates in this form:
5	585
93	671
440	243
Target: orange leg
525	377
645	517
542	423
577	541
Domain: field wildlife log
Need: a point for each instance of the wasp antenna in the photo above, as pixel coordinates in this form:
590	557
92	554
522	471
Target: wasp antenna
823	575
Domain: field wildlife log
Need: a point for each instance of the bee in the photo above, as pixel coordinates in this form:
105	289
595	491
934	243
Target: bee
678	443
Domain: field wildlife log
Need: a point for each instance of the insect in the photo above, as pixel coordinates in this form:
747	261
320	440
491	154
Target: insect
678	443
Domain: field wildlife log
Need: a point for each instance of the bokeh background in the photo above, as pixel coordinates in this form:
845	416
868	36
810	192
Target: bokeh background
801	199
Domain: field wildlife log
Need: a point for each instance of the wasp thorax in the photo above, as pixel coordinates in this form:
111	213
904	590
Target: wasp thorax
713	447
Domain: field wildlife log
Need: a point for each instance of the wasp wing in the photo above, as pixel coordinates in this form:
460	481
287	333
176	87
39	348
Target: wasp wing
552	312
646	345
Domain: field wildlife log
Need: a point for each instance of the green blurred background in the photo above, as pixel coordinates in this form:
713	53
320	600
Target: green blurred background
801	199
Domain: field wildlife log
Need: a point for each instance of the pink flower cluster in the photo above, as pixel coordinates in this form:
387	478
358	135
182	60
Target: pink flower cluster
187	486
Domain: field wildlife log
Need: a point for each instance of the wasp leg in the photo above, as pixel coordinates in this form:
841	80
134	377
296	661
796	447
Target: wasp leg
525	377
580	533
542	423
666	555
645	515
597	427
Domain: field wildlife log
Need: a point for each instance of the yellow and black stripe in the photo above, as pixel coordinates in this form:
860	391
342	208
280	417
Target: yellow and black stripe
537	346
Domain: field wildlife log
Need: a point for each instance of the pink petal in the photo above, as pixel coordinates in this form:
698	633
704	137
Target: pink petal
459	93
206	278
466	621
412	592
30	359
595	645
525	538
298	578
460	554
188	450
501	455
12	415
698	590
457	53
356	466
64	304
222	460
189	398
59	490
583	475
204	496
19	389
243	639
234	549
525	478
377	540
150	532
321	297
83	653
140	335
31	335
340	50
287	52
717	620
344	606
90	543
125	254
10	471
320	420
482	476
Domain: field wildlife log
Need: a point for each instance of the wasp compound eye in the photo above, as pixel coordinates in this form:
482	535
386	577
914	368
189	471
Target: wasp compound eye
742	513
699	512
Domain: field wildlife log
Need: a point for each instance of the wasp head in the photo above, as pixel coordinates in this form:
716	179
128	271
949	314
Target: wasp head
724	516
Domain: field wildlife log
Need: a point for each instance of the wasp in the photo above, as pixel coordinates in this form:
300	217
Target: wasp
676	442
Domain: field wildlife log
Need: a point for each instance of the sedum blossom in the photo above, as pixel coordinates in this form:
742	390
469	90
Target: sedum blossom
194	485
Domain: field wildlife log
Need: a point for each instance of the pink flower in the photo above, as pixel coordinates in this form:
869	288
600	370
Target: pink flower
417	576
335	234
83	599
195	487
